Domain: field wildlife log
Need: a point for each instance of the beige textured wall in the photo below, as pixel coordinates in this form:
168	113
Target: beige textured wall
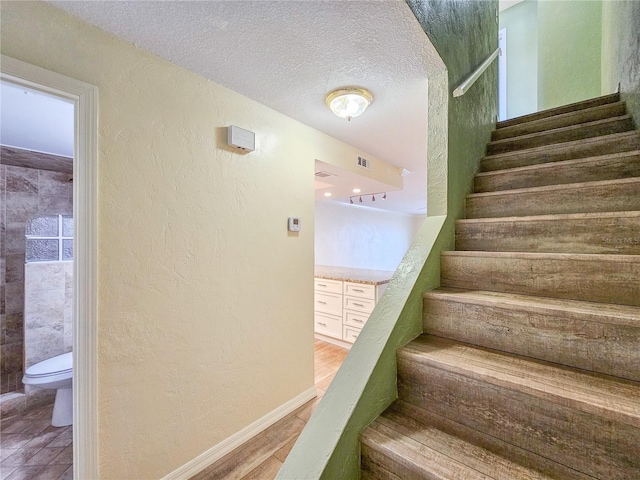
205	299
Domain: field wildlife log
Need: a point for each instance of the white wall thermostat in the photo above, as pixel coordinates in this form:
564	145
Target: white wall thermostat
294	224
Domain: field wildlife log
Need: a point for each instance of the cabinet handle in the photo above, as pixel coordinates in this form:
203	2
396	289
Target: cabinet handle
321	302
358	304
323	324
354	336
357	320
322	284
357	290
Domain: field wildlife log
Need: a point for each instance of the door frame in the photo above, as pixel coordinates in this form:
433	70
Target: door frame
85	265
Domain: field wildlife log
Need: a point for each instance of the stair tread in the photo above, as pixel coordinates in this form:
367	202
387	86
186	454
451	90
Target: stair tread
591	257
423	425
608	397
627	315
552	217
432	450
572	107
561	187
560	129
563	116
576	161
563	145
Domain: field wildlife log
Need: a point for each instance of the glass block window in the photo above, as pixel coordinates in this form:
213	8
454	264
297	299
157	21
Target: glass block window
49	238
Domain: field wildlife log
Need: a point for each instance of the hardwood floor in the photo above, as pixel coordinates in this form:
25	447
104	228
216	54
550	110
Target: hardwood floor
262	456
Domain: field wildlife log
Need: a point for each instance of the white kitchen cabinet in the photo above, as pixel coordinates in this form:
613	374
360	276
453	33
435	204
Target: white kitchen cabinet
343	302
359	301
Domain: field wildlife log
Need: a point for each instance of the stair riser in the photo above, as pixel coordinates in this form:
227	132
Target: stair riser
584	278
576	339
594	197
573	118
379	453
562	135
594	102
557	153
600	168
376	466
609	235
565	435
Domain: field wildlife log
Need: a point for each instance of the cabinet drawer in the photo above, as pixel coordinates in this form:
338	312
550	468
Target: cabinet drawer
361	290
355	319
328	303
359	304
350	334
327	325
330	286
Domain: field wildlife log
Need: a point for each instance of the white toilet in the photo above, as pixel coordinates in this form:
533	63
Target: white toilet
55	372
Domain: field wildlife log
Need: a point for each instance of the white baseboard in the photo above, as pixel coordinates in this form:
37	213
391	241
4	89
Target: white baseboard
215	453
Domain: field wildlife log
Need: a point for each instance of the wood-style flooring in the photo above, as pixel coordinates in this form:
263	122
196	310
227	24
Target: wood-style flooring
32	449
261	457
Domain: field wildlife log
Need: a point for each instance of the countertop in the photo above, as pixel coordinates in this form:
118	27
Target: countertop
357	275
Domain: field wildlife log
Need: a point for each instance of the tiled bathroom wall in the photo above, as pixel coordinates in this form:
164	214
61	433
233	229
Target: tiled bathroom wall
48	315
24	193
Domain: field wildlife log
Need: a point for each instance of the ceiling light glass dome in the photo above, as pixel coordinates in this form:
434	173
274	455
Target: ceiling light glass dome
349	102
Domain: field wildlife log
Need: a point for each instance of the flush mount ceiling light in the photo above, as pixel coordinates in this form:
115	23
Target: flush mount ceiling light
349	102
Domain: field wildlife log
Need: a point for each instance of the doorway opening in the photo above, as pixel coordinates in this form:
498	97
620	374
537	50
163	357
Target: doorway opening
83	97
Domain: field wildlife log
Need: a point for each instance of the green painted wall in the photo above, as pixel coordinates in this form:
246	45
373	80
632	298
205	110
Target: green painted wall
569	43
553	53
521	22
621	52
465	33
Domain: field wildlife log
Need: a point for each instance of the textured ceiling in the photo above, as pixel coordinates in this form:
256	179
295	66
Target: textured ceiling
289	54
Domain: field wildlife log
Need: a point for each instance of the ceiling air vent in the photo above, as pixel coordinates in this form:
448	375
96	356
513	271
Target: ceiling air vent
321	174
364	163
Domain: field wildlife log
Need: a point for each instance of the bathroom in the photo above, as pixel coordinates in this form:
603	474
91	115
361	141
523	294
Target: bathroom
36	270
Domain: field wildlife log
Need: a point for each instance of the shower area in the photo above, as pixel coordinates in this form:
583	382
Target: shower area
36	240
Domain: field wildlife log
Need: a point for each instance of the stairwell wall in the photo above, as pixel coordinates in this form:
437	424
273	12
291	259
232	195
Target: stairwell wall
621	52
553	53
569	43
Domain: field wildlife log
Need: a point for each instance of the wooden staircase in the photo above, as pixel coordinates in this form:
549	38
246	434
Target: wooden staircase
530	363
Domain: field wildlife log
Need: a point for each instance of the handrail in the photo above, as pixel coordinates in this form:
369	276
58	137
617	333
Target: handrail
464	86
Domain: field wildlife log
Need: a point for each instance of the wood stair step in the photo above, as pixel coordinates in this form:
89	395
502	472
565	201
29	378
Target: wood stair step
577	117
585	421
596	128
589	147
606	232
411	442
593	102
586	197
419	424
591	169
598	337
589	277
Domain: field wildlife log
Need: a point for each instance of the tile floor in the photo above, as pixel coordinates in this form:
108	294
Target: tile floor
262	456
30	448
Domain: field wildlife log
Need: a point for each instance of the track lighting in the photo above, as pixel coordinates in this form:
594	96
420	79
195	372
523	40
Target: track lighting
373	197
